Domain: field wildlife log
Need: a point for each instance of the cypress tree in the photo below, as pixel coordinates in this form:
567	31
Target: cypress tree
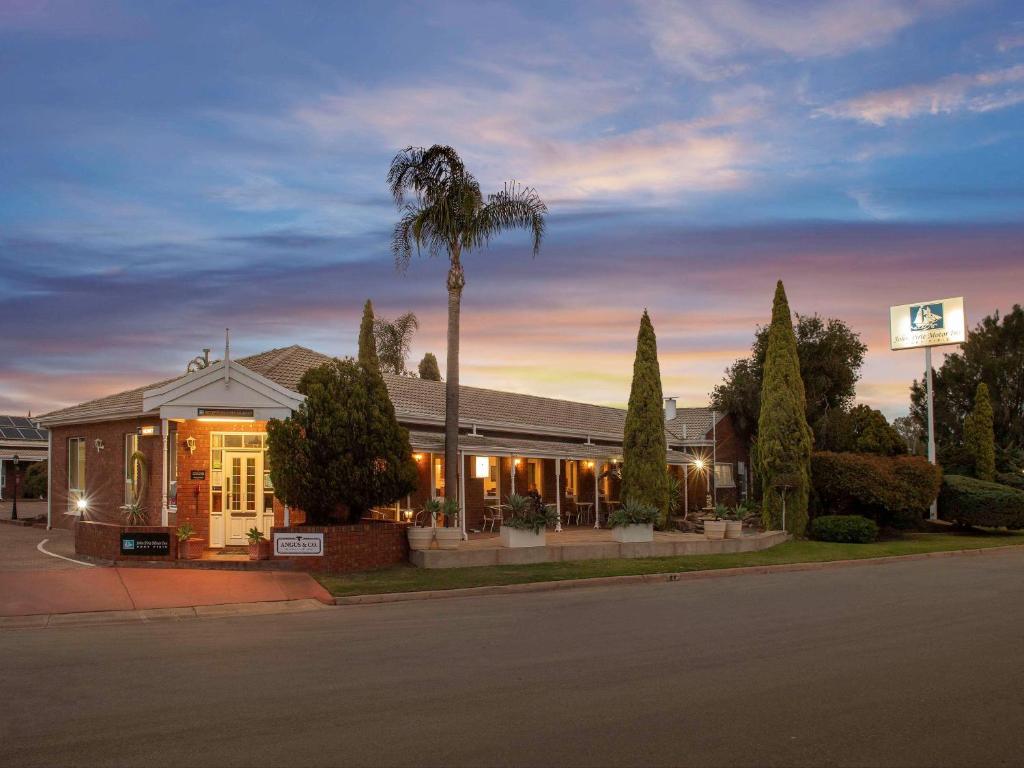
644	458
784	438
429	369
367	341
979	435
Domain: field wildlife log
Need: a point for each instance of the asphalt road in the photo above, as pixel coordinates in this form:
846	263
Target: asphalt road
912	663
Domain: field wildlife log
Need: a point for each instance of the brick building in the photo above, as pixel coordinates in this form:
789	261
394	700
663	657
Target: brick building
192	449
21	438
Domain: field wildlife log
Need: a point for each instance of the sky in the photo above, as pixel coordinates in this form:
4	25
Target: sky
168	170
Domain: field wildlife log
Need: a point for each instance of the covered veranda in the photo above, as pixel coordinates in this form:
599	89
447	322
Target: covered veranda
579	481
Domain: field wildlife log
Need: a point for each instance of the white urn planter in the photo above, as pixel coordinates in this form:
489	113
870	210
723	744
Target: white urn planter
633	533
419	538
448	538
715	529
733	529
520	537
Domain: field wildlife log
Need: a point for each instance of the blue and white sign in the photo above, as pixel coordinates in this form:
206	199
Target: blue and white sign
927	324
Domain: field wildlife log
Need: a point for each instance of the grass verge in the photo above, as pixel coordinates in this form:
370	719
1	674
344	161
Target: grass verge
407	578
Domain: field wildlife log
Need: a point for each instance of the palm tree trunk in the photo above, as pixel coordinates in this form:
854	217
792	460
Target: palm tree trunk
456	281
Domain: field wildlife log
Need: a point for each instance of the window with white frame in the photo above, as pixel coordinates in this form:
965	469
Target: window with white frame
534	475
572	478
724	477
491	479
438	477
131	468
76	472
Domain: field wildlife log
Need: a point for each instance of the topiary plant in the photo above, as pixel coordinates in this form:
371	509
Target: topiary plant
848	529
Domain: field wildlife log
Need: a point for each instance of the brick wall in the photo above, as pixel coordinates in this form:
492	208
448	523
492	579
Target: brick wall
103	540
105	470
364	546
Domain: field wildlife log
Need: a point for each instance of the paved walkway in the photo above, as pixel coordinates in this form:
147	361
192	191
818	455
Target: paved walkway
34	583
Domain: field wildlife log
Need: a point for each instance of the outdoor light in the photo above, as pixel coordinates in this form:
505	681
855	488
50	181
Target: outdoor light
418	456
99	444
589	465
190	444
81	505
518	462
482	467
700	464
407	515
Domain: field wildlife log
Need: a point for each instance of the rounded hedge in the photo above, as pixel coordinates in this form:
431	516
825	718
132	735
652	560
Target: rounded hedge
968	501
848	529
892	490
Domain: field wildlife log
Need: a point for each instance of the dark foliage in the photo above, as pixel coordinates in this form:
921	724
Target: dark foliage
849	529
969	501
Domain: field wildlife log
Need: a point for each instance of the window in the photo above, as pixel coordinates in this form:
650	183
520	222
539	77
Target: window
723	476
438	476
131	468
534	475
572	478
172	465
491	481
76	472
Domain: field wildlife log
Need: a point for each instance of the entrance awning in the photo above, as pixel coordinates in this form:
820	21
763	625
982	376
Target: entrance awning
23	454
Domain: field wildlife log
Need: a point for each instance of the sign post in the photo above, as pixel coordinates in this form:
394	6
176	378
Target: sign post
928	324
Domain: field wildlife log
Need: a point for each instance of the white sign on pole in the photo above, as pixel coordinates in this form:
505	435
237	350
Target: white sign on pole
300	544
927	324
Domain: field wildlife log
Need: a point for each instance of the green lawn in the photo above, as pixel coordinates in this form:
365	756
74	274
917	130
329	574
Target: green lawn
407	578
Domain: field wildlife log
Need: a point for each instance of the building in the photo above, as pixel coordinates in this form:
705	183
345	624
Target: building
199	447
18	437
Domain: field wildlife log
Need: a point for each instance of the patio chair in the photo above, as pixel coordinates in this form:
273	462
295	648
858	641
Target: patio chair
492	515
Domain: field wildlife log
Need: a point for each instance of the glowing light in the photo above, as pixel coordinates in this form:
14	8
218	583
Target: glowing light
82	504
700	464
482	467
418	456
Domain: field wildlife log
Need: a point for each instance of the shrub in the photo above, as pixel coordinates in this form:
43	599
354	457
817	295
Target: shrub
892	490
527	515
35	481
851	529
633	512
1012	479
968	501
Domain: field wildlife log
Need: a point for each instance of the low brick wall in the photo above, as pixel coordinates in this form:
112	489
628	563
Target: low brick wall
103	540
364	546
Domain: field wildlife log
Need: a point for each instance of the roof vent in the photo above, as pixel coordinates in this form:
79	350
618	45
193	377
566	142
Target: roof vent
670	408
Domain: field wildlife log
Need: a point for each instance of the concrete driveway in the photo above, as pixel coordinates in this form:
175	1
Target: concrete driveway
33	583
914	663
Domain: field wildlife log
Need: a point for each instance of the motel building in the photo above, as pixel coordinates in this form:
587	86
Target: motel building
202	439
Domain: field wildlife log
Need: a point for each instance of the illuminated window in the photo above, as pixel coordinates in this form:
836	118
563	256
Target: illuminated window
76	472
438	476
534	475
723	476
572	478
491	481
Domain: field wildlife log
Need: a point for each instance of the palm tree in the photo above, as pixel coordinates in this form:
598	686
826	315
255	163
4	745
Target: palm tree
394	341
444	212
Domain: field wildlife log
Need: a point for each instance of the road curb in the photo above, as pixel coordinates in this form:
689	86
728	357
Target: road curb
150	615
656	578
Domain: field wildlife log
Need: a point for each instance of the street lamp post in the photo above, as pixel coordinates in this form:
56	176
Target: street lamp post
14	505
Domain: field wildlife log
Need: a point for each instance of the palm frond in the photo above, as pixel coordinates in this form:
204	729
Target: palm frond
514	207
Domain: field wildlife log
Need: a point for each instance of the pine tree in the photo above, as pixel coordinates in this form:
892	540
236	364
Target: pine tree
343	446
979	435
644	458
784	438
429	369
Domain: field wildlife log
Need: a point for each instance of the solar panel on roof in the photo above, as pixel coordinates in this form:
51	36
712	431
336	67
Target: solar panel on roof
9	433
6	421
21	422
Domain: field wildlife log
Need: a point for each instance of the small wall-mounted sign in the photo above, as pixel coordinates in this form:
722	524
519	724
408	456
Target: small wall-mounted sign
197	474
151	544
225	413
149	430
301	544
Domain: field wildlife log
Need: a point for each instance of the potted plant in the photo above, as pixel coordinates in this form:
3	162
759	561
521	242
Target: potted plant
734	525
420	536
134	514
449	534
633	522
715	527
189	548
259	545
526	524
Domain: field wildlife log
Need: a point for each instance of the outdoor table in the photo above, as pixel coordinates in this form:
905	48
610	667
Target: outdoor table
584	508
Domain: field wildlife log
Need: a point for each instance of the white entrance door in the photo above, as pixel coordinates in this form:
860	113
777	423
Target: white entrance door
243	495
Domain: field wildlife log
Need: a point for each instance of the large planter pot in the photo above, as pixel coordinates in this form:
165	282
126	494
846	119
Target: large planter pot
259	550
190	549
715	529
631	534
519	537
420	538
448	538
733	529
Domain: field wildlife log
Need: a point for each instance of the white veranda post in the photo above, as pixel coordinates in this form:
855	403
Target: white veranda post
512	460
933	512
597	495
558	495
462	494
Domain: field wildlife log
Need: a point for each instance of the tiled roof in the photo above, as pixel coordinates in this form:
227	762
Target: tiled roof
422	401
